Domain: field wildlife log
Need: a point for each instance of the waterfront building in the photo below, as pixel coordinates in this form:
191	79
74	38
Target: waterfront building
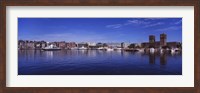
157	45
62	44
21	44
133	45
82	45
53	44
99	45
70	45
160	44
125	45
38	44
138	45
145	45
122	45
152	40
174	44
30	45
114	45
163	40
56	44
43	44
91	44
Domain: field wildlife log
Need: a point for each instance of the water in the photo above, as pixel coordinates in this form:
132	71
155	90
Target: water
97	62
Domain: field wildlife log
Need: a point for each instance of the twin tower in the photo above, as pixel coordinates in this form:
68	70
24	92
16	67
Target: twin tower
163	39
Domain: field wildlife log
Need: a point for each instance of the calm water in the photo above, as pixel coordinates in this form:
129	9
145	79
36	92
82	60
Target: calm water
97	62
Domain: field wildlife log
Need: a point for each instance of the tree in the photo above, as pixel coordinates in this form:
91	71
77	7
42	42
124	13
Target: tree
137	46
131	46
105	45
179	45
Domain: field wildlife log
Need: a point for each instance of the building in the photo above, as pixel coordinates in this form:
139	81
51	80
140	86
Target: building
114	45
99	45
70	45
138	45
38	44
150	45
158	44
30	45
174	44
43	44
163	40
53	44
62	44
125	45
152	41
21	44
82	45
91	44
145	45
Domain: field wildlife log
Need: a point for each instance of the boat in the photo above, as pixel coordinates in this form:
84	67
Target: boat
51	48
128	49
109	49
100	48
141	50
177	50
74	48
173	51
152	50
82	48
118	49
161	51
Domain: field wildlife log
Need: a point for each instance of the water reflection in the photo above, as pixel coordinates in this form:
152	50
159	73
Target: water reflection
163	59
98	62
49	54
152	58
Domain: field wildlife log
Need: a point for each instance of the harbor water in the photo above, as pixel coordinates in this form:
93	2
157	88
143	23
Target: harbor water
97	62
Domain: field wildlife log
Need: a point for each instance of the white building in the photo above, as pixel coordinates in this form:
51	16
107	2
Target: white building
125	45
91	44
114	45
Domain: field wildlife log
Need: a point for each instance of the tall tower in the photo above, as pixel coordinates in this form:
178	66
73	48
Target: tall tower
122	45
163	39
152	40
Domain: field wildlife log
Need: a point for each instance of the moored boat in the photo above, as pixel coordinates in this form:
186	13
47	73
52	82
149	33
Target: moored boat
82	48
109	49
152	50
51	48
118	49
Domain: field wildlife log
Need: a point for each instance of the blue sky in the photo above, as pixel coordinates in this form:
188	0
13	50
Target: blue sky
134	30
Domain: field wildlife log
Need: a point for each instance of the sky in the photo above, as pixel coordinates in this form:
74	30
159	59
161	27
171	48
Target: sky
134	30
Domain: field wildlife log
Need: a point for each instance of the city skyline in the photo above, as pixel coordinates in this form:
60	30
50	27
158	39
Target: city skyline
96	30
